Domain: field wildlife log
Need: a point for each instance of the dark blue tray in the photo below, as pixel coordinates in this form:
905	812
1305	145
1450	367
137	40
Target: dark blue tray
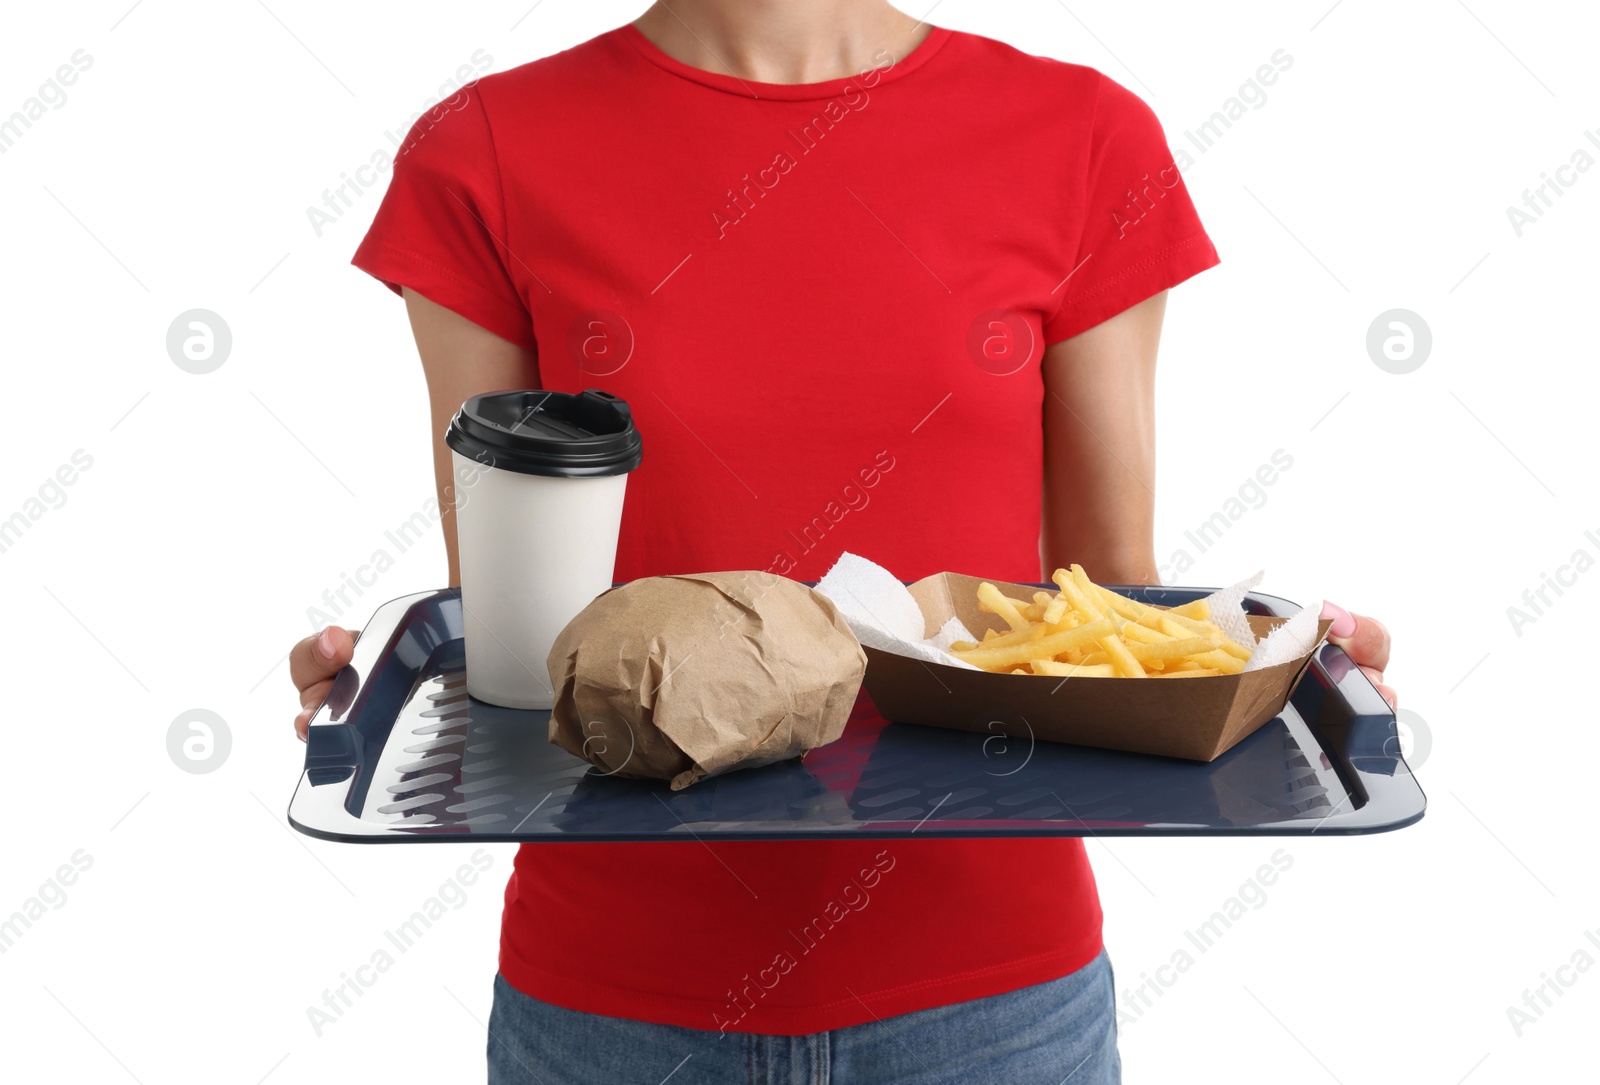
399	752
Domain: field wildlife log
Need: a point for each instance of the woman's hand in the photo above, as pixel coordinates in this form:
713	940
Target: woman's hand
1366	641
313	663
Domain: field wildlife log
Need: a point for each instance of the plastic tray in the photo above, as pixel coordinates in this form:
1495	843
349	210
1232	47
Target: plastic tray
400	753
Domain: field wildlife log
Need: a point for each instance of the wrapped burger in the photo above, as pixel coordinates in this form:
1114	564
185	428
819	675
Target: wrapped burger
683	677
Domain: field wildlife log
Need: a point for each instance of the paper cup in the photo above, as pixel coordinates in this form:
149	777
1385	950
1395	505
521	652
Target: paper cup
537	530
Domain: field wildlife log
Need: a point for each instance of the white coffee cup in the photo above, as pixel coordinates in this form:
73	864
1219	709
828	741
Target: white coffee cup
536	529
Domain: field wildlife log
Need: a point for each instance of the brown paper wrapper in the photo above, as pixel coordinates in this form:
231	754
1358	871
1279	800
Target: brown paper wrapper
683	677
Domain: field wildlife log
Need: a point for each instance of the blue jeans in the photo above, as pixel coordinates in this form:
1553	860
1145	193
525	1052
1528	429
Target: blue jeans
1059	1033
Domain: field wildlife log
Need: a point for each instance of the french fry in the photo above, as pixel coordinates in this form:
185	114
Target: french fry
1016	636
1010	610
1171	626
1174	649
1220	660
1088	587
1194	625
1070	670
990	658
1133	631
1134	611
1235	649
1199	628
1195	608
1085	630
1081	602
1046	608
1178	622
1121	658
1056	611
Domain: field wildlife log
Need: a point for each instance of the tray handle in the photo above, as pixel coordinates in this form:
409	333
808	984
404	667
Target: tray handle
1373	728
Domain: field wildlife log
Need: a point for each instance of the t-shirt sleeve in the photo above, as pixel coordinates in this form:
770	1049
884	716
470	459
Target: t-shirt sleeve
1141	233
441	228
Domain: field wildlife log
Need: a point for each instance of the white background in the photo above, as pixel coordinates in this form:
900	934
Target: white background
219	507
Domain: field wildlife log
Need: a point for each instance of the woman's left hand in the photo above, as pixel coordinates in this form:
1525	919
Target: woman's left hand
1366	641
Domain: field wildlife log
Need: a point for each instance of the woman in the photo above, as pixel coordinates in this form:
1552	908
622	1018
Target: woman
811	242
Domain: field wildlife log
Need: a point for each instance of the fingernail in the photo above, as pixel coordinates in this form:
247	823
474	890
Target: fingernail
1343	624
325	644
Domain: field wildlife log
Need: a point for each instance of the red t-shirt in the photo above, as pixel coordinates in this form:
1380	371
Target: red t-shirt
826	305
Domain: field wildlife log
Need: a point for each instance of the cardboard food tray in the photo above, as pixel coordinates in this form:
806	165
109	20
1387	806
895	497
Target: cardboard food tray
1197	719
399	753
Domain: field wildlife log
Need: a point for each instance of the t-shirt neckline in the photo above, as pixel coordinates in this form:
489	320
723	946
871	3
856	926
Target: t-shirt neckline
785	92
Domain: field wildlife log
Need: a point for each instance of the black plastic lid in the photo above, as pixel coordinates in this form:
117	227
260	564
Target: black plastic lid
548	433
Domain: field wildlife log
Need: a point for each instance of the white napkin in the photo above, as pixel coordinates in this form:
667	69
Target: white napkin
1291	640
883	615
1227	610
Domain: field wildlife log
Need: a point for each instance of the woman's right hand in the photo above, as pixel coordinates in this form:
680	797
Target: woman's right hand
313	663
